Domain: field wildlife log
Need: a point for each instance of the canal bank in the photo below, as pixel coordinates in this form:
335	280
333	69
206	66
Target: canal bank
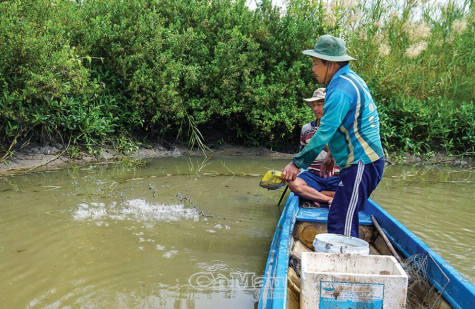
53	156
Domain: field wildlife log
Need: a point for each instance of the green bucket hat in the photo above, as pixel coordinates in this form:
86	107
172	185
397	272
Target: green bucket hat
329	48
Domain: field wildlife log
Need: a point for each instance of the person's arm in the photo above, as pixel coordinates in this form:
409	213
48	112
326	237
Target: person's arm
303	141
336	107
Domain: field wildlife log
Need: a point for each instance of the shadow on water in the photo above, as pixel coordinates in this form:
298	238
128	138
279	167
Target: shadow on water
183	232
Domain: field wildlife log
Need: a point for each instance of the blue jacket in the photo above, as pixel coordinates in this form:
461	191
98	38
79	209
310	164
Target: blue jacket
350	124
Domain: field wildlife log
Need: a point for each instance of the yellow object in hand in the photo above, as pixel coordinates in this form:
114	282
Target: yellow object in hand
272	180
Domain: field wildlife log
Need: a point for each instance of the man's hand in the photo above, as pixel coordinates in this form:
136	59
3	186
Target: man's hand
289	173
316	203
328	165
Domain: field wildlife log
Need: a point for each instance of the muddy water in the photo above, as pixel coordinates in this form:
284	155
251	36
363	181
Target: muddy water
183	232
438	205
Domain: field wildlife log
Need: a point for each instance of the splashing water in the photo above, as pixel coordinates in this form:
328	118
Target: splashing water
138	210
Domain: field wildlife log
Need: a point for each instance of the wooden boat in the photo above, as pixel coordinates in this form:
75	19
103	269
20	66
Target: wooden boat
433	284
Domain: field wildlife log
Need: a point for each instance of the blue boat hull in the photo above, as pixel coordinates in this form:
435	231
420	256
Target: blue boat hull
457	290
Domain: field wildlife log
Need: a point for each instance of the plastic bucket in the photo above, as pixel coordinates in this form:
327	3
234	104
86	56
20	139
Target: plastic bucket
335	243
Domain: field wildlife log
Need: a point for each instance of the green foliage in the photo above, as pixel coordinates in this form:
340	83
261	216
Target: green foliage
418	127
44	83
94	72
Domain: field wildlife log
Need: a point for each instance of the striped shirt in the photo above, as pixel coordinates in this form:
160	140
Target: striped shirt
350	124
306	134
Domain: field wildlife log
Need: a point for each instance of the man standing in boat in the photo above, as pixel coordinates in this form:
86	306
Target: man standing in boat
350	127
309	185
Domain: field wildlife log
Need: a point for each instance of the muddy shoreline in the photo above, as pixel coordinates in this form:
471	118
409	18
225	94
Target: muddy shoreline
47	157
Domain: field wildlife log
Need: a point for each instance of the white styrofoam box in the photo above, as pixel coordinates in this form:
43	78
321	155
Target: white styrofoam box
335	281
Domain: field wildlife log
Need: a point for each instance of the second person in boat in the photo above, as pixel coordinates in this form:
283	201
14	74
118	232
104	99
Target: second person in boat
314	189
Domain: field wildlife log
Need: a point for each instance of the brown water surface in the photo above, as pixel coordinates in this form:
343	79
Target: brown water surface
437	203
184	232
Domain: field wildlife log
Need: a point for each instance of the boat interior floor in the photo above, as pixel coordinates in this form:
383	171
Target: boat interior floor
311	221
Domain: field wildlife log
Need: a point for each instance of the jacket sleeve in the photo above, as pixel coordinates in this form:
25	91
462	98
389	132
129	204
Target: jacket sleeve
335	109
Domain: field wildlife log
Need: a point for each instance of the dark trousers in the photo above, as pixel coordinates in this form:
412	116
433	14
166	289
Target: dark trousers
356	184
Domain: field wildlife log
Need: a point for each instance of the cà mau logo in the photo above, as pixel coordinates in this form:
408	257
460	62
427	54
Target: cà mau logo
232	281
